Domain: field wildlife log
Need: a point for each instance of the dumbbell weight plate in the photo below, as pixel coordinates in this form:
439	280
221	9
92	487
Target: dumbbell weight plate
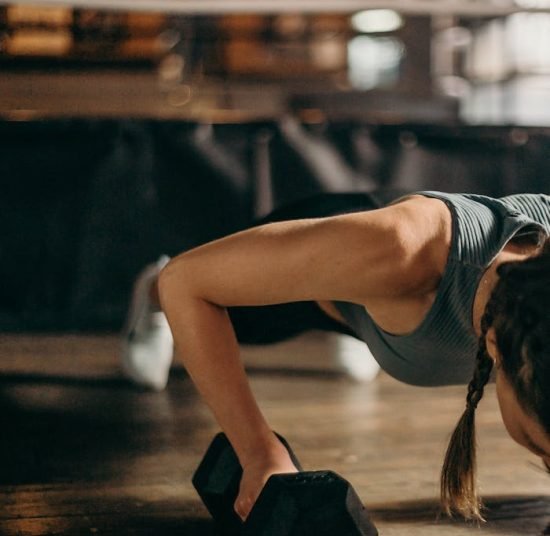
319	503
217	482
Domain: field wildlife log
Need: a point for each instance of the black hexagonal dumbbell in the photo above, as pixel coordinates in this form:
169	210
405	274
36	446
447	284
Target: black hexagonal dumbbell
319	503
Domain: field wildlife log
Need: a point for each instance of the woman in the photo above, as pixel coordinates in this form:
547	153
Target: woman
442	287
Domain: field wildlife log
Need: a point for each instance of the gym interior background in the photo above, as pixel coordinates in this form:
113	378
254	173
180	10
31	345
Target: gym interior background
127	132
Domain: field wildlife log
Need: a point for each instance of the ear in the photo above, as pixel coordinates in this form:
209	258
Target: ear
492	348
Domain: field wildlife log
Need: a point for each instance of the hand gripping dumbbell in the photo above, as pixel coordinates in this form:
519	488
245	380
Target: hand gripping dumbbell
318	503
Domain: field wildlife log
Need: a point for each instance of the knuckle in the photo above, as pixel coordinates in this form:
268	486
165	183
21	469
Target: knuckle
239	507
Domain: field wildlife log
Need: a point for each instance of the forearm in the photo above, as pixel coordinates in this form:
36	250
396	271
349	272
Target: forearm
206	342
347	258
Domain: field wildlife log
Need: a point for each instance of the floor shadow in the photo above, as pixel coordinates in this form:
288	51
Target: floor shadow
177	374
507	512
117	517
89	429
62	380
275	371
166	518
163	524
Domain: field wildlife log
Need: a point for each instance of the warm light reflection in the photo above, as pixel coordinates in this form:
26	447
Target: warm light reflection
377	21
533	4
528	42
374	61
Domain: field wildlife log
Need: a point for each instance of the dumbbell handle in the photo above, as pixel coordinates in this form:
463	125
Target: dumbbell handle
220	453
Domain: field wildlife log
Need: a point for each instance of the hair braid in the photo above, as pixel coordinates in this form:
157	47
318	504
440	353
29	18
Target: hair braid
484	364
518	312
458	475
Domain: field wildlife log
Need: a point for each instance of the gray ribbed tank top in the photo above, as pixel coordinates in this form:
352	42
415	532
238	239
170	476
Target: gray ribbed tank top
442	350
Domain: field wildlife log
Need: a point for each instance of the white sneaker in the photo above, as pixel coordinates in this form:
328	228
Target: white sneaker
355	358
147	343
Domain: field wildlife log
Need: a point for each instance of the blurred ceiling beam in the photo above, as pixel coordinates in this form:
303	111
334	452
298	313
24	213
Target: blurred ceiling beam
479	8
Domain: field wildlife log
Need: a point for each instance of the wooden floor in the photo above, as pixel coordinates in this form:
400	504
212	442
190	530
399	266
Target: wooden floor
85	453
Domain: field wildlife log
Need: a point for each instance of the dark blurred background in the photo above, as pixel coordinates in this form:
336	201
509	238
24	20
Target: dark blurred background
127	134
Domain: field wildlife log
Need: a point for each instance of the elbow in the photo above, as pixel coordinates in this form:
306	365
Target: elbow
173	283
181	294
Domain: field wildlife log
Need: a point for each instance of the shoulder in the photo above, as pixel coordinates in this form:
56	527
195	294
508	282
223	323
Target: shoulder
414	235
426	214
422	228
427	234
481	225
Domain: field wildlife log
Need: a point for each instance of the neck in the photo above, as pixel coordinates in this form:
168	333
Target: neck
483	293
485	288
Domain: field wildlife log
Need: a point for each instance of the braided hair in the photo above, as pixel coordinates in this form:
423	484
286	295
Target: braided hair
519	312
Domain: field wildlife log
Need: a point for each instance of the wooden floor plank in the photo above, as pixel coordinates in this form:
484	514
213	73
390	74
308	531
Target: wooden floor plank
83	452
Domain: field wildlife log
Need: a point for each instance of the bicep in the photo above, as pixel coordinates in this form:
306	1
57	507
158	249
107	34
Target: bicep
349	258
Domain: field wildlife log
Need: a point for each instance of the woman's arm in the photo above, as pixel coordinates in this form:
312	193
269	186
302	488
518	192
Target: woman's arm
352	258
